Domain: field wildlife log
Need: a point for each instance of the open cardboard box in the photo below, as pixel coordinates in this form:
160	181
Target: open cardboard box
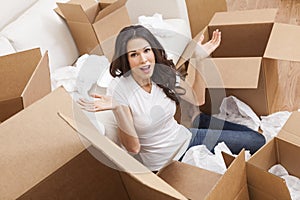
94	25
245	64
25	78
284	149
48	159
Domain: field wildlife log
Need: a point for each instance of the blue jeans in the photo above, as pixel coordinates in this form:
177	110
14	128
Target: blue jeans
210	131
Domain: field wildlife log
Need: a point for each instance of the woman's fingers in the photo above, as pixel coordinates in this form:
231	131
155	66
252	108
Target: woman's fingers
95	95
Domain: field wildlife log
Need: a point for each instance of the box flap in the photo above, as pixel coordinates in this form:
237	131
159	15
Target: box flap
193	182
30	144
122	160
263	185
284	49
83	11
244	17
291	130
207	8
110	9
231	72
233	181
39	84
15	71
197	183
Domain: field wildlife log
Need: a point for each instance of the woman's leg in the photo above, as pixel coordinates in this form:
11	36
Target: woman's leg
235	140
204	121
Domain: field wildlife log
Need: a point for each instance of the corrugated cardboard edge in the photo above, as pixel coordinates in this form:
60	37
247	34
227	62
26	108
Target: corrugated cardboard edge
39	84
118	156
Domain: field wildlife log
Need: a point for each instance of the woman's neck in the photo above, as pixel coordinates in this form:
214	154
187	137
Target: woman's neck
145	84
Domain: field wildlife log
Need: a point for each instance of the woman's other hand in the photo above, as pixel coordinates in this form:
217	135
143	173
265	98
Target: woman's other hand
207	48
100	103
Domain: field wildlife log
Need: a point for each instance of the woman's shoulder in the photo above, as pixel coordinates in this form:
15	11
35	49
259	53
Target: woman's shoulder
122	84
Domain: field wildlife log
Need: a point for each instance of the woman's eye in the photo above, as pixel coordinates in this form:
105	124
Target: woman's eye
132	55
147	50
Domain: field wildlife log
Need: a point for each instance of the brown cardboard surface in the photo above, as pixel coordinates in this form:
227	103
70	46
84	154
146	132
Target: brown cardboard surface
38	86
284	150
50	160
245	34
263	185
201	11
79	10
47	159
137	173
90	23
21	73
284	49
260	183
85	38
84	177
110	9
193	182
108	35
290	131
229	72
244	17
32	146
197	183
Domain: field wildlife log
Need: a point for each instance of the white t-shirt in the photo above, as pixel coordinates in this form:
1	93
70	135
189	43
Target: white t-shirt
160	136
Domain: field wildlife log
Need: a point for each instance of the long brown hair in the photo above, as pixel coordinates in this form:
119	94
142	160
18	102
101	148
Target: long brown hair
164	74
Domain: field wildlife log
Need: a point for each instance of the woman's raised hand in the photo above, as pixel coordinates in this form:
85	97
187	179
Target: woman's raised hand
100	103
207	48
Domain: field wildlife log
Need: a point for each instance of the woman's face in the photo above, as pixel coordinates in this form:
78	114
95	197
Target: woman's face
141	59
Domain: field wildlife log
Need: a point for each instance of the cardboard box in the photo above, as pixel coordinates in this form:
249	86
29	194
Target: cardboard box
94	25
48	159
25	78
245	64
284	149
200	12
197	183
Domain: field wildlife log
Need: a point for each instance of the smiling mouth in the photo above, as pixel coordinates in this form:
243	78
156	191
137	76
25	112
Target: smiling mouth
145	68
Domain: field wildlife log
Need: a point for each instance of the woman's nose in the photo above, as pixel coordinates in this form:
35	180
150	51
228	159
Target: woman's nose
143	58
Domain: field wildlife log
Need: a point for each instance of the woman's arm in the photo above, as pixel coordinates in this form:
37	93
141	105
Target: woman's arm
195	91
126	133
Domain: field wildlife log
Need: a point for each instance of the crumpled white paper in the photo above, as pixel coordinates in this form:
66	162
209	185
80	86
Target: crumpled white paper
272	124
236	111
292	182
88	70
156	25
66	76
201	157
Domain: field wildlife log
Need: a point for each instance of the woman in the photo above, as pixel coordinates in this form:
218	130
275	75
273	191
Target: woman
143	100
